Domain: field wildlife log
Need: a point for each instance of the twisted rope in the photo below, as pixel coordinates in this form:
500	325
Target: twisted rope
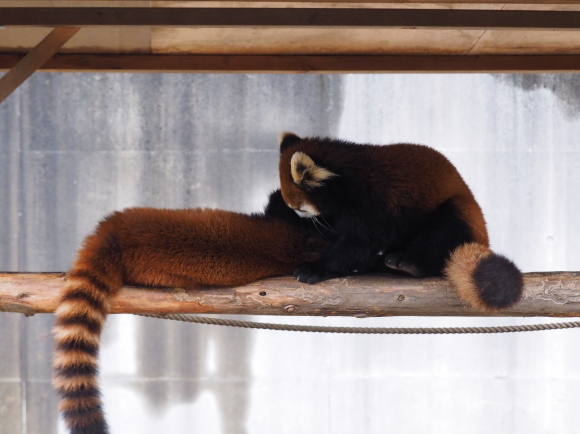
366	330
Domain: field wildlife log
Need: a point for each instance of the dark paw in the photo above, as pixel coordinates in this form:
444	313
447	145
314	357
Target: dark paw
311	273
397	261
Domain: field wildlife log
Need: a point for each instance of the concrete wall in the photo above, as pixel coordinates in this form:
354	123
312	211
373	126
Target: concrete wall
77	146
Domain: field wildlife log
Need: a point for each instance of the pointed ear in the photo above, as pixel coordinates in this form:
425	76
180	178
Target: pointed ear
306	172
286	139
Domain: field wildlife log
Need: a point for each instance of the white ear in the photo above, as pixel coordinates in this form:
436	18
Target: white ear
305	171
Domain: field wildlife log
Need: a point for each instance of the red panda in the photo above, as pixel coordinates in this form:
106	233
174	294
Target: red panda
402	206
160	247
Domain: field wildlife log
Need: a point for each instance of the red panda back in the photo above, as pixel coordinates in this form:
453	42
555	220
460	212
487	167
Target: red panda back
397	174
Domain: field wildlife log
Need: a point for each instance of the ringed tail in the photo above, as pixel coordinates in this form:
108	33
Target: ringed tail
484	279
95	277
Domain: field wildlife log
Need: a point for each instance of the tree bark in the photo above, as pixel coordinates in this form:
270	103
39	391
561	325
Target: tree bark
546	294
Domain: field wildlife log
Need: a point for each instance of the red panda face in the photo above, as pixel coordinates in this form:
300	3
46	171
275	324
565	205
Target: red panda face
295	196
299	177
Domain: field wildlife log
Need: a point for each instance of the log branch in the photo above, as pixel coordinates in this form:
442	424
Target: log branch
546	294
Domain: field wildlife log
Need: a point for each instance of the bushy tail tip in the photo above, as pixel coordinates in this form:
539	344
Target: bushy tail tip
486	280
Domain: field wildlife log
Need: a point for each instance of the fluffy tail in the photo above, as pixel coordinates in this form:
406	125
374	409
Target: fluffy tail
485	280
94	278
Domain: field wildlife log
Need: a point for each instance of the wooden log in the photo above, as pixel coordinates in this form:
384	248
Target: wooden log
323	64
478	19
546	294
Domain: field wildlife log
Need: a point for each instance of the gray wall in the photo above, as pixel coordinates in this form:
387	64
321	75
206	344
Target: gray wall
80	145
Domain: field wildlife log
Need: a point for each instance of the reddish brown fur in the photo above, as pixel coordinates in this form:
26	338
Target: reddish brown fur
184	248
201	247
423	176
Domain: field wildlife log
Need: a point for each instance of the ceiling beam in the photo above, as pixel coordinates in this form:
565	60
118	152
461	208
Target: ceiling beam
354	2
292	17
304	63
34	60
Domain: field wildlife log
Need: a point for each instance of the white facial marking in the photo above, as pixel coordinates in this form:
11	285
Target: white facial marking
302	213
306	210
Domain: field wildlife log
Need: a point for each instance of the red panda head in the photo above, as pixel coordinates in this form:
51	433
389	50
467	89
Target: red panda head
300	176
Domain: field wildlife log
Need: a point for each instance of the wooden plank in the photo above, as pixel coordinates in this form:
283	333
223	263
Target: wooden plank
455	2
293	17
34	59
303	64
92	39
546	294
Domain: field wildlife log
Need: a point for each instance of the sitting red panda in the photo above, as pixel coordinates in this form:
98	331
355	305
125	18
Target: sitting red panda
402	206
160	247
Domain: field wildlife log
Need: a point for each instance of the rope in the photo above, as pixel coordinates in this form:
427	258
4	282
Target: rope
365	330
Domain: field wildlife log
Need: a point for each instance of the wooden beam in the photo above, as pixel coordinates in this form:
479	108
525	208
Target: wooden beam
304	63
34	60
292	17
546	294
334	2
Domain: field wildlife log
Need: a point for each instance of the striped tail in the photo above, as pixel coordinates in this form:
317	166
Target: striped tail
484	279
95	277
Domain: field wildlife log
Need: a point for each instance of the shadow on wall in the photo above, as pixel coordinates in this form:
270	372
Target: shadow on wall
566	87
192	359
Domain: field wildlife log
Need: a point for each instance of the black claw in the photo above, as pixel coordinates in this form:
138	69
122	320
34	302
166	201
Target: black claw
312	273
392	261
303	272
314	278
399	262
